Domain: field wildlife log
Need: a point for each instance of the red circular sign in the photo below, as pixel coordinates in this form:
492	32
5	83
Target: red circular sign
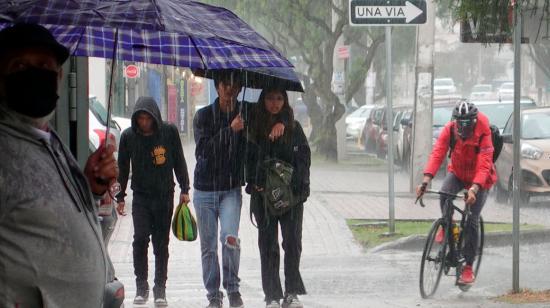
132	71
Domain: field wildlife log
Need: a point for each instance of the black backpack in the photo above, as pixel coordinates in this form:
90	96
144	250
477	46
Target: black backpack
495	136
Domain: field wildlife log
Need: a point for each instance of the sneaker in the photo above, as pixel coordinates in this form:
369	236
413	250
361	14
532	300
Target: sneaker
440	236
291	301
467	276
161	302
215	303
160	297
235	300
142	295
272	304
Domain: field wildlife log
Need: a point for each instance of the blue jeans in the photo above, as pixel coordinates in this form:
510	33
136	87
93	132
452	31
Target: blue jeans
225	206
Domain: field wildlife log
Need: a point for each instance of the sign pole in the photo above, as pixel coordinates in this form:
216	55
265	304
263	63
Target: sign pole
389	129
388	13
516	172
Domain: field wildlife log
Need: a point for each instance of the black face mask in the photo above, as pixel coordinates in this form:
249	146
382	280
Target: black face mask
32	92
466	127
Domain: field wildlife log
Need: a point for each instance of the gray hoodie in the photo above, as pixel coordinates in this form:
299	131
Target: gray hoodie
51	248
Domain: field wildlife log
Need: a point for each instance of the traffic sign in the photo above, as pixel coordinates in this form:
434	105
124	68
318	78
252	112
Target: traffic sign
387	12
131	71
343	52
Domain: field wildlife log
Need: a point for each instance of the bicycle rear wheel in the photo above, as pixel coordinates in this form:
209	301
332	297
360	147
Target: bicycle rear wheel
479	253
433	260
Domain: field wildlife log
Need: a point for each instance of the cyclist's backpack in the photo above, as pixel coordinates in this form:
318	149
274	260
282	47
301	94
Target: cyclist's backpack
278	195
495	136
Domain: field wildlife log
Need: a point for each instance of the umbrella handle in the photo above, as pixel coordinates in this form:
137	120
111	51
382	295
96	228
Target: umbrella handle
110	98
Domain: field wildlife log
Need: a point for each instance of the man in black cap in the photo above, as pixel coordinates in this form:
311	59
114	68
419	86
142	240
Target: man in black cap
51	249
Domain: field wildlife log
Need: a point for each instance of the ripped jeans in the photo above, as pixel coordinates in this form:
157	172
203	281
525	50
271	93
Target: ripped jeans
225	206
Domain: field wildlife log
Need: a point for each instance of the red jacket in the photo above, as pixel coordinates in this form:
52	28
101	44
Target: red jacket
471	159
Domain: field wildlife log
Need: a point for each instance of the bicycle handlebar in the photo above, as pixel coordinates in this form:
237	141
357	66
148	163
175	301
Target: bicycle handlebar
441	193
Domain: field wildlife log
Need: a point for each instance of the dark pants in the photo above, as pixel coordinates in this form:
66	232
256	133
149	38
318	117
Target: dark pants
453	185
268	241
152	215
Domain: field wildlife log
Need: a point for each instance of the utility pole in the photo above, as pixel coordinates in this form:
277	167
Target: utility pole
422	126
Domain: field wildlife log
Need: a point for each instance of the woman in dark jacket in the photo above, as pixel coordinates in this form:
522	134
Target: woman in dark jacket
294	149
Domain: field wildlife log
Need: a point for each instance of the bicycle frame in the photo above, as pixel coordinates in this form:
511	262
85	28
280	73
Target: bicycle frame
451	252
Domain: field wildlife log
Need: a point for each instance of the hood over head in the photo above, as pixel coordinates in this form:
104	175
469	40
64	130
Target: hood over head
149	105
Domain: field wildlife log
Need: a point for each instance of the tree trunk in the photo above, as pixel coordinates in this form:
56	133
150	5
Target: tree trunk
327	139
313	110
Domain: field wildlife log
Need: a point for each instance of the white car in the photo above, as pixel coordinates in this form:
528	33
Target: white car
97	124
481	91
506	91
444	86
355	121
123	123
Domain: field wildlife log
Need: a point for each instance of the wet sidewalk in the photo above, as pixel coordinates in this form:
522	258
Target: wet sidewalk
336	271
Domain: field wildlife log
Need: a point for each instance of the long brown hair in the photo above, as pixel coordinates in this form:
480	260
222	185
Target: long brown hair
264	120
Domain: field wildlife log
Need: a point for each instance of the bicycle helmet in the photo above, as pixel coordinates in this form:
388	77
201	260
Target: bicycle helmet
465	117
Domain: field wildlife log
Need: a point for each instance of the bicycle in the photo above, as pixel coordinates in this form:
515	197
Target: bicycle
442	257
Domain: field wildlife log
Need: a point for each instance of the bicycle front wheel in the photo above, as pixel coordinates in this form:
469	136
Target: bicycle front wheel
433	260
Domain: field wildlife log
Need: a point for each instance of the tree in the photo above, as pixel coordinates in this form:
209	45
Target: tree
304	30
495	17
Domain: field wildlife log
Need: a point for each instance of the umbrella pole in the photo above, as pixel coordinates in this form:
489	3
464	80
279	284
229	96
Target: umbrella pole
110	96
244	93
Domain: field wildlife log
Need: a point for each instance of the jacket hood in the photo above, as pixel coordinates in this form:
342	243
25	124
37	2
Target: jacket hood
149	105
14	125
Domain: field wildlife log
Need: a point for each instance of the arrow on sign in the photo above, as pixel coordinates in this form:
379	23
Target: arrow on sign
409	11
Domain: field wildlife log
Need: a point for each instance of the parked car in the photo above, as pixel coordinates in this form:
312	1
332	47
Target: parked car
535	156
123	123
444	86
371	130
481	91
382	140
355	121
498	112
404	139
97	123
506	91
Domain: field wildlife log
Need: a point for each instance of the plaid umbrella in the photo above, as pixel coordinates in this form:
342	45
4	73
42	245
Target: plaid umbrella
262	77
170	32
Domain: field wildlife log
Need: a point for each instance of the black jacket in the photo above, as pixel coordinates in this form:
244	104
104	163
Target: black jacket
219	151
295	152
154	158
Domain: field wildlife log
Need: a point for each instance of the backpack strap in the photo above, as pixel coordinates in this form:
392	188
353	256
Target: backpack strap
452	141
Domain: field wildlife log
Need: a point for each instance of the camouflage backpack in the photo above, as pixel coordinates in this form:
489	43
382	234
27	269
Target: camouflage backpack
278	195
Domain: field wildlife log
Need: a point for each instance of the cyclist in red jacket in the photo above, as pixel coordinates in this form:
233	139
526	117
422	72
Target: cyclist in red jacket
471	167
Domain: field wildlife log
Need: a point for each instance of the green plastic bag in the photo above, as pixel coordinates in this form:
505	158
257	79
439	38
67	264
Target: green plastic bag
184	225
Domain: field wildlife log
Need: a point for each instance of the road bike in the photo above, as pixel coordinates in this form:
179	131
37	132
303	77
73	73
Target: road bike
443	257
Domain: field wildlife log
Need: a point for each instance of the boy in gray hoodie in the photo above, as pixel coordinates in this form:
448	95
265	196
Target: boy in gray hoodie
153	149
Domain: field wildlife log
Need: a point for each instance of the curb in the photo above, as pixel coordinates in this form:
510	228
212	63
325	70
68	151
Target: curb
492	239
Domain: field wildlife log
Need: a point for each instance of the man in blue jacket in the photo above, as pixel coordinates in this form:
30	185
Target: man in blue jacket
219	175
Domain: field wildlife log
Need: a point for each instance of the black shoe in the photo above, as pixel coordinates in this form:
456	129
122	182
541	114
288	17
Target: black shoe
160	297
235	300
215	303
292	301
142	295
